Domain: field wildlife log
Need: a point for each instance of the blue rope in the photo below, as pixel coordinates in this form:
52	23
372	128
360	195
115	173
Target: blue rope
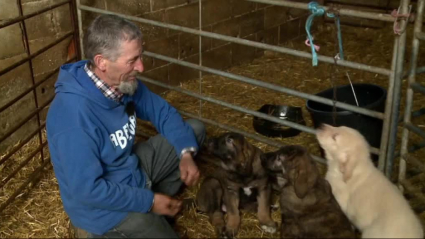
316	11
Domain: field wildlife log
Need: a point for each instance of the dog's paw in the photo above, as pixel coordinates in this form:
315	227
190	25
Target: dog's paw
220	231
269	228
224	235
274	207
228	234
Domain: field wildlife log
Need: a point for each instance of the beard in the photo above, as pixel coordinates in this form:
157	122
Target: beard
128	86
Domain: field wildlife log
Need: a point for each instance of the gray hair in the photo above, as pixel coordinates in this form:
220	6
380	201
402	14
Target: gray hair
105	35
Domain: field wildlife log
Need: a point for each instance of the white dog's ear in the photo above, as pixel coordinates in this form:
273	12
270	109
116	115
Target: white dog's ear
334	136
346	165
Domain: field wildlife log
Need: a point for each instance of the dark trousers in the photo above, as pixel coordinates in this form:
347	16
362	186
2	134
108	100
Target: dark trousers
161	163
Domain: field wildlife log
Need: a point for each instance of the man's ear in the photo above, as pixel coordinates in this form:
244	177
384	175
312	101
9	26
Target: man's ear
346	165
100	62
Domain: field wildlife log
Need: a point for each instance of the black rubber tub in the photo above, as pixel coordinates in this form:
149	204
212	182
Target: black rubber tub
369	96
271	129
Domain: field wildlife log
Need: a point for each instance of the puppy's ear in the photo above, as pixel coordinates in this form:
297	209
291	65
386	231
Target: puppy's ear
346	165
249	152
306	176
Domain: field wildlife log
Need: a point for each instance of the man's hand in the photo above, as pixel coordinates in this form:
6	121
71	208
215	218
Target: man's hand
165	205
189	172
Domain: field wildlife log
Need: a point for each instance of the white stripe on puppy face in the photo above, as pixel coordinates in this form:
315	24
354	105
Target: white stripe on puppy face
279	163
247	191
281	181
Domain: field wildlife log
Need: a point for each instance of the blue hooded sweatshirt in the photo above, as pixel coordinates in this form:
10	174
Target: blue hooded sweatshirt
90	140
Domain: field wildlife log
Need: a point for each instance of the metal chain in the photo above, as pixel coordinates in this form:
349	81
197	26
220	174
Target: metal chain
335	71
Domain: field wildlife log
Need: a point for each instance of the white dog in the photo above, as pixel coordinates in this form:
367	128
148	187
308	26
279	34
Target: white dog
371	202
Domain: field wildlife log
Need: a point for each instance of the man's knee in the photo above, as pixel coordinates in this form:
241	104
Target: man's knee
198	128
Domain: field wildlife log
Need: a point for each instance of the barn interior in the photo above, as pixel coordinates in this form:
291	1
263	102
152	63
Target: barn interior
216	78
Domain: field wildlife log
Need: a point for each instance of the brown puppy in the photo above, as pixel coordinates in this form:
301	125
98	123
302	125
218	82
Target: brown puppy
306	202
241	169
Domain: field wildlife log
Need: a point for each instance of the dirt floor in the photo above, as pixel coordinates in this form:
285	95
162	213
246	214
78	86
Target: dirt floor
39	213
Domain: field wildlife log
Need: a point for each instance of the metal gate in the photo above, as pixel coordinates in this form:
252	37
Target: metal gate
389	117
413	86
38	108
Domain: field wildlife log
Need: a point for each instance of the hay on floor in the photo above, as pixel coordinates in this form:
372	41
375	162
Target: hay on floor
38	212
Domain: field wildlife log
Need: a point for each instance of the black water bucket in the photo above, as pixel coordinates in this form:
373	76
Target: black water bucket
369	96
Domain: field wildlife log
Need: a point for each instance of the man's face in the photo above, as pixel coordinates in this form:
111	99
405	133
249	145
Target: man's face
122	72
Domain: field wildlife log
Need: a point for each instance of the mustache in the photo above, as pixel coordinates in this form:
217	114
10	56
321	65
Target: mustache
126	79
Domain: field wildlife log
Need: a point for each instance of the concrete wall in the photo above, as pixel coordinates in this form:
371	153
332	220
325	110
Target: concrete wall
237	18
257	22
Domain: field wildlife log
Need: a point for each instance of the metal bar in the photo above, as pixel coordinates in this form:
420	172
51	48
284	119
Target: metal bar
414	161
28	51
415	129
279	49
80	27
420	36
414	114
419	70
33	177
22	164
200	55
20	96
2	72
250	135
26	119
238	108
342	11
74	21
269	86
22	18
418	113
417	178
412	148
397	91
418	87
409	94
26	140
388	108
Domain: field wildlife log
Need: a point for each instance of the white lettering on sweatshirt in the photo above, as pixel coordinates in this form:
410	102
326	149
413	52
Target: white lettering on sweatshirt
122	136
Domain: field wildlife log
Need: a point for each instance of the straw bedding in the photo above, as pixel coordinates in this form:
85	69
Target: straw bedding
38	212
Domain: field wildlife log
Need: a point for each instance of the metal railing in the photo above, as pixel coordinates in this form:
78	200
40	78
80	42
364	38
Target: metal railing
390	114
413	86
32	89
389	117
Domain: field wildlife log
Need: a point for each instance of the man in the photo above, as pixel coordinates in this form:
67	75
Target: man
109	187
